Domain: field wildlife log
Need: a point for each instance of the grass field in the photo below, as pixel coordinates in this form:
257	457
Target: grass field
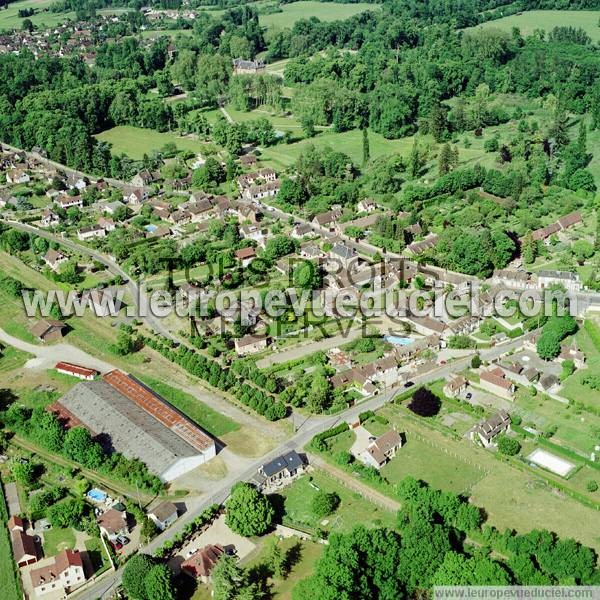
349	142
216	424
353	508
529	21
9	581
309	554
135	141
324	11
11	359
57	539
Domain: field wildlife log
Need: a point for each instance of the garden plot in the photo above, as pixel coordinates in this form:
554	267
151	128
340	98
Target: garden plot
551	462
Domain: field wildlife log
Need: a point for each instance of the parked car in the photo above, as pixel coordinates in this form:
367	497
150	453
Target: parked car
117	546
409	384
123	539
469	396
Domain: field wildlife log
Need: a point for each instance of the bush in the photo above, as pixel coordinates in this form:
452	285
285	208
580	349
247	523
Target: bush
508	446
425	403
324	504
476	362
592	485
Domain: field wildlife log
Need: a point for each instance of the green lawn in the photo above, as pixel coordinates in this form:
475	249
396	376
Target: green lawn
573	388
11	359
215	423
9	578
324	11
529	21
57	539
353	507
97	554
135	141
310	552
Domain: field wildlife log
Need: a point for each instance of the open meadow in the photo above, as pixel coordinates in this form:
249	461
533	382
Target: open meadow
529	21
324	11
135	141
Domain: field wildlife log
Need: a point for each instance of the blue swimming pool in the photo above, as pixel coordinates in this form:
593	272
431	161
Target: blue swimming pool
397	340
96	494
150	228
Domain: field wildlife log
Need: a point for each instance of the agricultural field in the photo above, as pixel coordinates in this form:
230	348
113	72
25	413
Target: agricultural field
324	11
529	21
135	141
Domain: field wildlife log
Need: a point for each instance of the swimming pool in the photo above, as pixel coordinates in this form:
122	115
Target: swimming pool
150	228
397	340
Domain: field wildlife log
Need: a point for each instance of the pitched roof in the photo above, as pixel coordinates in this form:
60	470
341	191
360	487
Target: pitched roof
290	461
23	545
112	520
495	379
44	326
494	425
570	220
202	562
77	369
164	510
243	253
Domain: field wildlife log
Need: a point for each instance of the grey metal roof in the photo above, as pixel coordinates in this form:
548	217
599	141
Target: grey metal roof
291	461
132	431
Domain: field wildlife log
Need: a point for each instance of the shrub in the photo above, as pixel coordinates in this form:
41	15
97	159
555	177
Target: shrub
425	403
508	445
324	504
592	485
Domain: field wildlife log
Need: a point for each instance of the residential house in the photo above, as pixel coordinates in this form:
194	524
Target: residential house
514	279
49	218
251	344
343	255
55	258
417	248
487	430
112	207
88	233
300	230
258	192
76	182
248	160
462	326
570	281
571	352
367	205
200	564
143	178
48	330
428	325
190	292
253	232
113	523
180	217
496	382
549	383
382	449
17	176
455	386
134	195
280	470
106	223
247	67
163	515
311	251
328	220
69	201
65	574
245	255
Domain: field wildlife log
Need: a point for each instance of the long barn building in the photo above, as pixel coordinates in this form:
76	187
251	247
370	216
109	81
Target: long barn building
138	423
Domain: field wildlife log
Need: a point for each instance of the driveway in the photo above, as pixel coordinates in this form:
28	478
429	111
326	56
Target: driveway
361	441
47	356
217	533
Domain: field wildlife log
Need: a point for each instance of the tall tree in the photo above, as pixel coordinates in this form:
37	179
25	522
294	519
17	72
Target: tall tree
365	146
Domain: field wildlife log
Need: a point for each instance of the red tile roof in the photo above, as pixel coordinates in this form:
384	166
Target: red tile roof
158	408
202	562
75	369
64	415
